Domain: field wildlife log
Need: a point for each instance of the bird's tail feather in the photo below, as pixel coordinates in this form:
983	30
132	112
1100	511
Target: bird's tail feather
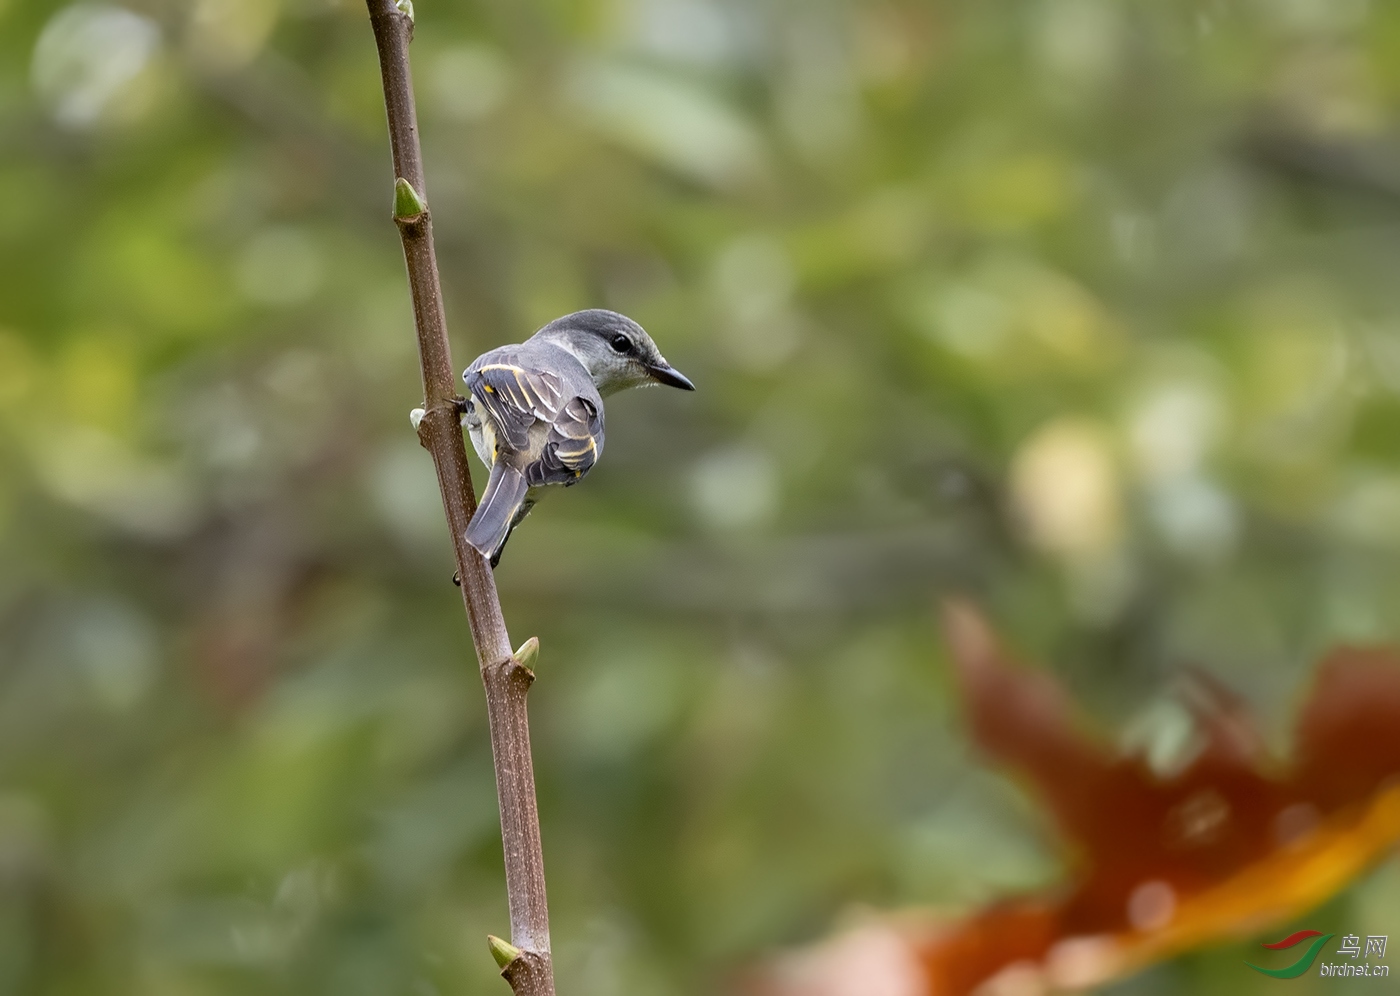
490	527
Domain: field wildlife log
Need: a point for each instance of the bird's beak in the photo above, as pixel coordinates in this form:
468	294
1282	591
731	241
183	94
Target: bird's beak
670	376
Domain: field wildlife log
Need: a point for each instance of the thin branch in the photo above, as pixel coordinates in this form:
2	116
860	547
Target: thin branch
507	676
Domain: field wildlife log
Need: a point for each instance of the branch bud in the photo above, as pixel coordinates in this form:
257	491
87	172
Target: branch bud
405	8
527	653
503	951
416	417
407	201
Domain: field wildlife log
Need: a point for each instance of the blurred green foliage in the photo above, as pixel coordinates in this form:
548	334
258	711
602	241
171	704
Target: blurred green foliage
1086	307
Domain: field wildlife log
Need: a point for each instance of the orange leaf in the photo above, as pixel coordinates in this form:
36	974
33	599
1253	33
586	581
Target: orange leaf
1233	843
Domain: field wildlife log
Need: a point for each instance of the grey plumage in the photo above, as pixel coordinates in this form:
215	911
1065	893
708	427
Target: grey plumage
504	503
534	411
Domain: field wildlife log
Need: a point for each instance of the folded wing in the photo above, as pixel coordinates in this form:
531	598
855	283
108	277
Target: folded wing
553	432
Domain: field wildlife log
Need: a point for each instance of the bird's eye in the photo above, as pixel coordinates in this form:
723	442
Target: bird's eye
620	343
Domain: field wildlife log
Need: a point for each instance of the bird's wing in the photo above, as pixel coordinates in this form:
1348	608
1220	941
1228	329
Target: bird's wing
574	444
516	397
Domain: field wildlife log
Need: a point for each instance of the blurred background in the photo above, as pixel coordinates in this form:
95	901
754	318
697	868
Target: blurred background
1087	308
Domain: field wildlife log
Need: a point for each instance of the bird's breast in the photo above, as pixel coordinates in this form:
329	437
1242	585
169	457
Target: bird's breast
482	433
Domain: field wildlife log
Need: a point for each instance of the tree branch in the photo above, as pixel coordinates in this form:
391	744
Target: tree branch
507	676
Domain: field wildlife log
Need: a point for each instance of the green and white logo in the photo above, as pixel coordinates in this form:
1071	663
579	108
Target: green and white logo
1304	962
1351	948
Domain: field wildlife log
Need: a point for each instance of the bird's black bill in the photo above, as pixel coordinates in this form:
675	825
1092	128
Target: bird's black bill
671	377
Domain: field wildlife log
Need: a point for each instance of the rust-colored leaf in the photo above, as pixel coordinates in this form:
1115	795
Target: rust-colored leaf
1231	844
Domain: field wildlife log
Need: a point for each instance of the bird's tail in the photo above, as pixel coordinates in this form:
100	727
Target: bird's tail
490	527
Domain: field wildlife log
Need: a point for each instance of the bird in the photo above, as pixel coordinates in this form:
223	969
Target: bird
534	411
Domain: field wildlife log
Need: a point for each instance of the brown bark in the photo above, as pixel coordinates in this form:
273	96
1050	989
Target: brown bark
507	680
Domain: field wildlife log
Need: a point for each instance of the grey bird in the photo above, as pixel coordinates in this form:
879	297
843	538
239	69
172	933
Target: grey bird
535	411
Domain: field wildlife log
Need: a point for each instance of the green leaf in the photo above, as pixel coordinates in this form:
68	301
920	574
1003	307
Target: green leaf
529	650
503	951
408	203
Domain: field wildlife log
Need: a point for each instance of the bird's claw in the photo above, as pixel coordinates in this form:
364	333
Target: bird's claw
460	405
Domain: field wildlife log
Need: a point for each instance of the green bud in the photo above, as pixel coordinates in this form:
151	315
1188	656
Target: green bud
405	8
528	651
407	202
503	951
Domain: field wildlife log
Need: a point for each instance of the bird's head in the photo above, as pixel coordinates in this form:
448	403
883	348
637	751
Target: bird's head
616	351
